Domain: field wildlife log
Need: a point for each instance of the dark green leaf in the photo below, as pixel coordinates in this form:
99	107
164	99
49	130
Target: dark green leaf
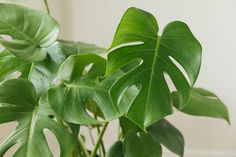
203	103
168	136
79	85
116	150
71	48
140	144
164	133
19	103
136	39
31	31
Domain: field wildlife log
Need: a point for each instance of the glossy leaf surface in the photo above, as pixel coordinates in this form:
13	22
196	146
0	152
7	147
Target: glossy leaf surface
204	103
18	102
137	39
81	83
31	31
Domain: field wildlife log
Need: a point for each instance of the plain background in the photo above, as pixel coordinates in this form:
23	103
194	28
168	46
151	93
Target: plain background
213	22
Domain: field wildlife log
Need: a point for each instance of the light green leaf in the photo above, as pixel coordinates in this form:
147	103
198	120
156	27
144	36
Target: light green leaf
12	66
204	103
137	39
168	135
19	103
140	144
11	1
116	150
31	31
41	73
72	48
79	85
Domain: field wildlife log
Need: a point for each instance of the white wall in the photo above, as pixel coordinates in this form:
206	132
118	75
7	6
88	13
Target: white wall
213	23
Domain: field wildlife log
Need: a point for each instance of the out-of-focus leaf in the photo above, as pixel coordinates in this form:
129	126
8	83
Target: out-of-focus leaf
116	150
71	48
203	103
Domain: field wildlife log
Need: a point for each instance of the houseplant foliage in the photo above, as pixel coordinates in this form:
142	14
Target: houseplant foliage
51	84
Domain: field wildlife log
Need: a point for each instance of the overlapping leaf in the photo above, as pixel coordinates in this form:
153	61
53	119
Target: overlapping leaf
204	103
18	102
137	39
31	31
162	131
80	85
72	48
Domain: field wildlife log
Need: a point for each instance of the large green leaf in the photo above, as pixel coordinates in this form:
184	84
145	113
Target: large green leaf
140	144
204	103
31	31
163	132
19	103
79	85
72	48
137	39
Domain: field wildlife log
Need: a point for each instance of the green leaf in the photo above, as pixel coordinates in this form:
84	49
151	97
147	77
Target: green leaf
141	145
31	31
168	136
43	73
163	132
79	85
19	103
116	150
72	48
203	103
12	66
11	1
137	39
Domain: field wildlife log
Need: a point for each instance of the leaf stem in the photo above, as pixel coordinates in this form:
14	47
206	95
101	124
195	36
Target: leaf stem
47	6
94	152
82	146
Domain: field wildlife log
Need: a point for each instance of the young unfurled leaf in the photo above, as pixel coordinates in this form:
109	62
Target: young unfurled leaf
31	31
203	103
137	39
81	83
20	104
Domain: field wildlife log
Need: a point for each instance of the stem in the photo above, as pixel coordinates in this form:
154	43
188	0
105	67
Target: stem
82	146
47	6
94	152
91	136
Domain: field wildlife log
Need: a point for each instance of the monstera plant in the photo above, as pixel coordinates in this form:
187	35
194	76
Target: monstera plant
49	84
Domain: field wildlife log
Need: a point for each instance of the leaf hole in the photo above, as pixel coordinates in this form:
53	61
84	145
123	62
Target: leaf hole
94	110
126	45
183	71
52	142
87	68
14	75
6	37
12	150
170	83
132	64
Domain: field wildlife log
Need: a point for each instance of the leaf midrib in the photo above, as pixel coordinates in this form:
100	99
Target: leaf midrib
152	73
19	31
